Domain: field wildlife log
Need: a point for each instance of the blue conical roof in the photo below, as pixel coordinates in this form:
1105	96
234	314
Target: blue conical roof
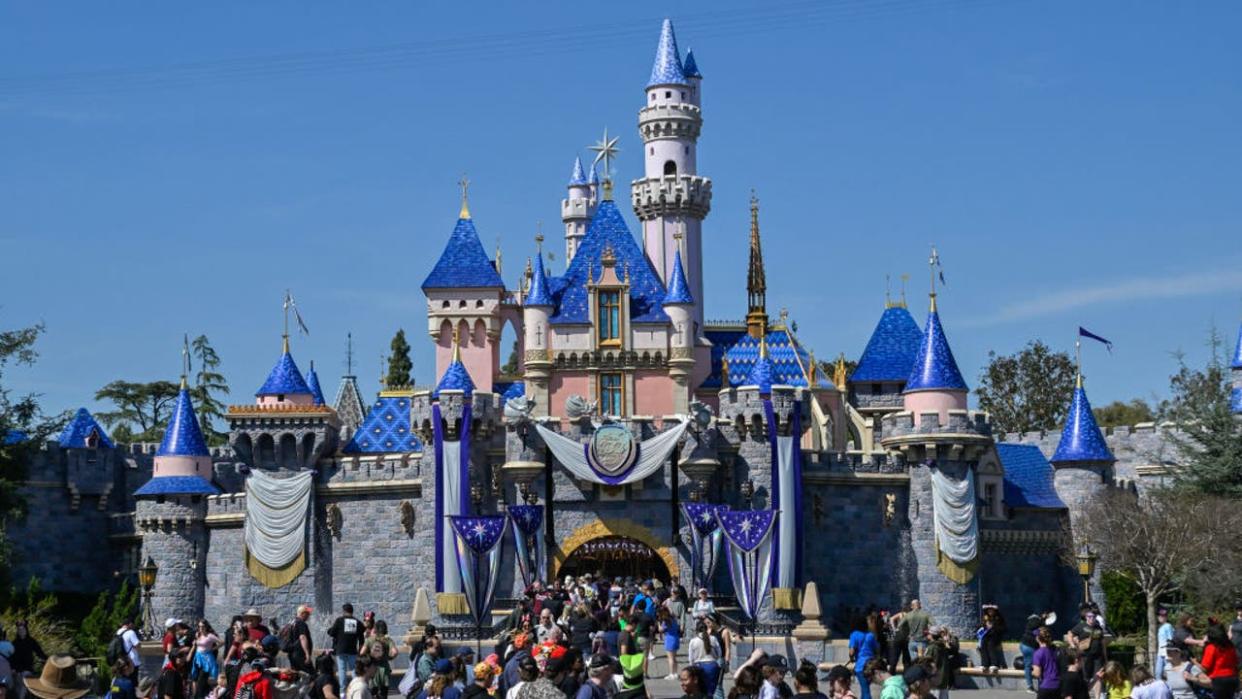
312	382
678	287
1081	440
183	437
463	264
690	67
1237	352
79	428
539	294
667	68
934	367
578	178
456	378
889	355
594	175
761	375
285	379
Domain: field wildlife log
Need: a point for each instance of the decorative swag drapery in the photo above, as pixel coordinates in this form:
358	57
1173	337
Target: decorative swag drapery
275	530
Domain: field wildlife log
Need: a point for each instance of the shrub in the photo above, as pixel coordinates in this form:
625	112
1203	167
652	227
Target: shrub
1125	604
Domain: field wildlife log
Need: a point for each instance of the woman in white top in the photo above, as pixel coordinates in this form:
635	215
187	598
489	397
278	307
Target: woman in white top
1180	674
703	646
703	607
360	686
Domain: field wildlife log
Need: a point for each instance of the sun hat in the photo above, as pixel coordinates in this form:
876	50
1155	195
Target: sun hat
252	613
59	680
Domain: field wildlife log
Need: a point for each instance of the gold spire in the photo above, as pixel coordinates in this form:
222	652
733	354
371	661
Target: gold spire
456	344
904	278
1078	363
724	372
284	343
763	345
888	289
811	373
607	189
756	280
932	262
839	375
383	376
464	183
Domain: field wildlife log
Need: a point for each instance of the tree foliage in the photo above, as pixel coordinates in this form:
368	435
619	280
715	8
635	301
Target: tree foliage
1121	413
400	367
1167	542
141	409
1209	440
109	612
208	384
1027	391
38	609
1125	603
510	367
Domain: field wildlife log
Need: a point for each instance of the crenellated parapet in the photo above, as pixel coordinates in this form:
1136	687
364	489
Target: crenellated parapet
956	435
671	195
282	436
679	120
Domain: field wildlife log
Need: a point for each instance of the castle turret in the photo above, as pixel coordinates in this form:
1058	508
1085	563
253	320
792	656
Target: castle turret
935	382
464	296
679	305
171	511
89	459
877	383
312	382
578	208
1235	396
536	307
672	196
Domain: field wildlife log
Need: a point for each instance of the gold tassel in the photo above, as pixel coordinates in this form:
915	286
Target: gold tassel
787	598
452	603
276	577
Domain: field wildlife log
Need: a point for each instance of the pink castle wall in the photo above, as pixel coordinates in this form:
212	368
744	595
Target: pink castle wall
935	402
562	386
182	466
290	399
478	354
653	393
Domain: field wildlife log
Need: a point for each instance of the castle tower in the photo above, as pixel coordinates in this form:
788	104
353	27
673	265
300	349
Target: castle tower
312	382
171	511
89	459
756	278
578	208
1235	396
464	294
671	196
941	443
877	383
679	305
536	307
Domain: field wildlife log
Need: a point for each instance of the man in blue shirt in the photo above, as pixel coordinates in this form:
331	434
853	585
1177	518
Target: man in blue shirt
1164	634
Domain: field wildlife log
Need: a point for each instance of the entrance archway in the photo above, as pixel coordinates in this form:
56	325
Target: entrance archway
616	556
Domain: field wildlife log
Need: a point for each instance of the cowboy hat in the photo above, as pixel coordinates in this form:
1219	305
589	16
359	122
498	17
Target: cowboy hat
59	680
143	690
252	613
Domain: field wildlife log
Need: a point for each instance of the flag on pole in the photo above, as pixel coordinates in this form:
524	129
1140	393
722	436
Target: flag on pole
1083	332
290	304
935	262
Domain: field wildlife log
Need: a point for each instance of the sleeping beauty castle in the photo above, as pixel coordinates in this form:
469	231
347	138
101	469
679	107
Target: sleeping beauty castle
634	439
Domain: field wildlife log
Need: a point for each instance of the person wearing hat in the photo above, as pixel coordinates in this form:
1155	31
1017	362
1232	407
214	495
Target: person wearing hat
441	684
840	682
59	680
774	669
942	653
255	630
599	678
528	671
875	671
918	681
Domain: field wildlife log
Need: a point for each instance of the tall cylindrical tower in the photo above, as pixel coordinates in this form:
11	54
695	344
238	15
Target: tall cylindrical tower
578	208
672	196
537	359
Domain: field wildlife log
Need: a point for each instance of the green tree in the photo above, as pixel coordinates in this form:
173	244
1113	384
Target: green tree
1027	391
400	368
38	609
23	428
109	612
144	406
208	384
1209	440
1121	413
510	367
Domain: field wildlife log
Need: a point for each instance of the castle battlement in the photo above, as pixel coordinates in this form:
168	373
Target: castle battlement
678	120
969	423
680	195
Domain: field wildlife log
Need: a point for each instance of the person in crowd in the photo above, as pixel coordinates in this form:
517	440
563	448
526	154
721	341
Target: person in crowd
582	628
511	676
1182	675
774	686
546	624
26	650
899	633
479	688
747	683
255	630
599	679
703	646
677	606
234	636
1184	635
942	654
1148	687
326	684
527	671
364	671
703	607
918	681
1088	637
573	674
863	646
691	683
1220	663
1164	634
172	676
724	638
672	639
381	649
346	634
1114	681
368	623
632	684
1027	645
1046	670
1235	628
123	680
205	667
840	683
917	622
129	641
892	686
990	654
806	682
1073	684
551	664
300	645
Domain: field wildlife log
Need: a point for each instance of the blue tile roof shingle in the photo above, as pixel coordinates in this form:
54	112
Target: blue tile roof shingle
539	293
578	177
608	230
934	367
177	485
284	379
790	361
80	428
183	437
691	67
463	264
889	355
1081	440
678	287
667	69
1030	481
455	378
312	382
386	429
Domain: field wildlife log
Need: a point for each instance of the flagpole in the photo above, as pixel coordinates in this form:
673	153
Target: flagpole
1078	363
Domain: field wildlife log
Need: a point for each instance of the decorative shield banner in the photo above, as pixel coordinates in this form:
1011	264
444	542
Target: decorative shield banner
528	541
611	456
705	540
749	534
786	498
478	559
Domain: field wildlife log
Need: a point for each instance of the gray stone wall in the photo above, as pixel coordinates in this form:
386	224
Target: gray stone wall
949	603
174	537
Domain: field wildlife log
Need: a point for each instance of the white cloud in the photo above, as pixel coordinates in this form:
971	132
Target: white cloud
1168	286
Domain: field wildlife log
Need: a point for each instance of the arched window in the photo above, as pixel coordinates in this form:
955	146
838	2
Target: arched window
670	167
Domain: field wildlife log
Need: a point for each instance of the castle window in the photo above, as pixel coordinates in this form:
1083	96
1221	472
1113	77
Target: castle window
610	317
991	500
683	94
610	394
445	304
670	167
668	94
686	150
876	389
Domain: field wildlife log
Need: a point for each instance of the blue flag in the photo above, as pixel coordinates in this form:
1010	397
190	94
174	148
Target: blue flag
1083	332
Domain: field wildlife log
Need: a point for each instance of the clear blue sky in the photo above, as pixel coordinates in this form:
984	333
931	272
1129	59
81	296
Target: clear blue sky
169	168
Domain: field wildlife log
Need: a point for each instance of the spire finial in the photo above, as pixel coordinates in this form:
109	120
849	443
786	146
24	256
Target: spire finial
349	354
811	369
933	261
464	183
763	345
839	376
456	344
1078	362
888	291
606	149
904	278
756	278
383	375
185	360
724	372
499	262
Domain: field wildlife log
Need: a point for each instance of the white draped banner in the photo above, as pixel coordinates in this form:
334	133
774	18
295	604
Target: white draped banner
572	454
957	528
275	529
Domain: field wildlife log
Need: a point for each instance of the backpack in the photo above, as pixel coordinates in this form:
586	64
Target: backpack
288	635
116	649
411	685
378	650
245	690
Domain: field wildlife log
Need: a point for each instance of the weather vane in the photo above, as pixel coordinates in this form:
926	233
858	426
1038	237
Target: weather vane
464	183
605	149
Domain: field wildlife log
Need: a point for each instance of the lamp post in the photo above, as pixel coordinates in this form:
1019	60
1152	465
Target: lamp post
1086	568
146	578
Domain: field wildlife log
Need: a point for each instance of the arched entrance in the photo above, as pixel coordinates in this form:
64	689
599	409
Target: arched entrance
615	556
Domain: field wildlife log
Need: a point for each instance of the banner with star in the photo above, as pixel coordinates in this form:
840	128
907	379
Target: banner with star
452	494
478	544
749	533
528	542
705	540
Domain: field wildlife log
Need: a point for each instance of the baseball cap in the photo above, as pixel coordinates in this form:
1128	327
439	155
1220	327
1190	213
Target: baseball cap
915	673
443	666
600	660
776	661
464	651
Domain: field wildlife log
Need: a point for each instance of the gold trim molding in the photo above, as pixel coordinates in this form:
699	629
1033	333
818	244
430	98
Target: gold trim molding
612	527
